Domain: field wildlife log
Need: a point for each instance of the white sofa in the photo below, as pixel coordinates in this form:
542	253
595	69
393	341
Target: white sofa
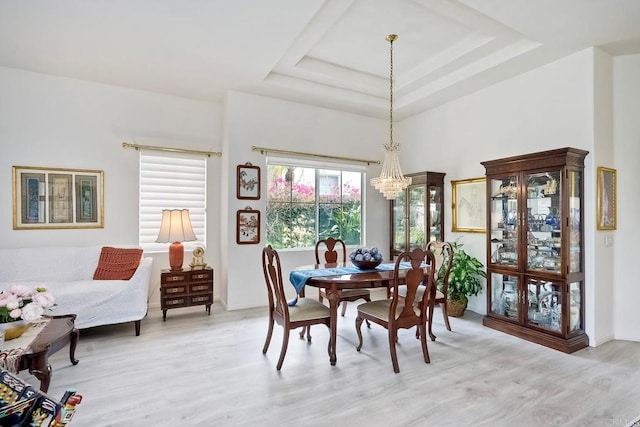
67	272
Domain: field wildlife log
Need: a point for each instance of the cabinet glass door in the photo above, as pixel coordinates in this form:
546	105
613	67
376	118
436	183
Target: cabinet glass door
399	223
575	306
435	215
574	230
544	232
544	299
417	217
505	296
504	220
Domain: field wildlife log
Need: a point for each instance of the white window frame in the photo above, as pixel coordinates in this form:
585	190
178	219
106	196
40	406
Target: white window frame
171	181
343	167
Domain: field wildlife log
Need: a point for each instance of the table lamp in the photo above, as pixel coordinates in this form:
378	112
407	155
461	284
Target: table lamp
176	228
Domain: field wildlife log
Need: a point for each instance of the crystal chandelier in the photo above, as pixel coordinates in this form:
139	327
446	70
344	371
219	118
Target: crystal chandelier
391	182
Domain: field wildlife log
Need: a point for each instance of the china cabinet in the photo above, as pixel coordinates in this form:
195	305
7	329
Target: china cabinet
417	213
535	247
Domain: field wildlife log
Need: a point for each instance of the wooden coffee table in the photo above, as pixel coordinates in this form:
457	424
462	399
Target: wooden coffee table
54	336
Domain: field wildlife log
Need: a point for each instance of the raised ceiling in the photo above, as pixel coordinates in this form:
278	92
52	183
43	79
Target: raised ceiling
330	53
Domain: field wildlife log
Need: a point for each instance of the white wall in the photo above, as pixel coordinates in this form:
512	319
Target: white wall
48	121
626	137
255	120
547	108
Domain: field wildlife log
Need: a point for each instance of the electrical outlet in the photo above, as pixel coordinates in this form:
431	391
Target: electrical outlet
608	240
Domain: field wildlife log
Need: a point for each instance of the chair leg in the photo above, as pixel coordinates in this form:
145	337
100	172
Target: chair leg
393	334
358	325
283	351
344	308
367	299
423	342
445	314
308	330
430	321
319	294
269	333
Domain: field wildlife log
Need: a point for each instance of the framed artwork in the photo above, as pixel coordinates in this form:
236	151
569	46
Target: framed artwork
248	182
57	198
606	214
248	226
468	207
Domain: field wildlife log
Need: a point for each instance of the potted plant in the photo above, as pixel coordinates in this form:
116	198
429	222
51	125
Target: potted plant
464	280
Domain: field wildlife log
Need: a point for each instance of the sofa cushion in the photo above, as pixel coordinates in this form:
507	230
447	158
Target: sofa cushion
117	263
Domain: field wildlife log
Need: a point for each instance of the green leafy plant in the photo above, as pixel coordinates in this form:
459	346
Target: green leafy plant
465	275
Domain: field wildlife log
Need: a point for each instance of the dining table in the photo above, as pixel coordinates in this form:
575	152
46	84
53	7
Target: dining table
339	276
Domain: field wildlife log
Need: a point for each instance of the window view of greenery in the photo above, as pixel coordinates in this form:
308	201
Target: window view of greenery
307	204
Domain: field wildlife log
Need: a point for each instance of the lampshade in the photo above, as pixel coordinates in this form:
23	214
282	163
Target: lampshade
391	182
176	228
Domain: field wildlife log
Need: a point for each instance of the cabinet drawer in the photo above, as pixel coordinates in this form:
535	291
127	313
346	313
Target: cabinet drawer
202	275
174	278
199	288
173	290
174	302
200	299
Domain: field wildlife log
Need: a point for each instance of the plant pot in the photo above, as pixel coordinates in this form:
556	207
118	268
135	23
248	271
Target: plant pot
456	307
15	329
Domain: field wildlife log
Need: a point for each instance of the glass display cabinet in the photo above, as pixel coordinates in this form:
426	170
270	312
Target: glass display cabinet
535	247
417	213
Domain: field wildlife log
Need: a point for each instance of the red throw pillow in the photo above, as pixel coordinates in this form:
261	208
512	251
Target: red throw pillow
117	263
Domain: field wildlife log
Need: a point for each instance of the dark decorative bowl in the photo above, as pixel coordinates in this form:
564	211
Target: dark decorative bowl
366	265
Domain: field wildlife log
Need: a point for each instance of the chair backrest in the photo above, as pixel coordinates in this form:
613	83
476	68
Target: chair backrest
414	277
331	254
443	253
273	278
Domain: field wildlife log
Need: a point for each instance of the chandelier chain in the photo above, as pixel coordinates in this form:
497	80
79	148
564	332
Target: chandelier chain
391	93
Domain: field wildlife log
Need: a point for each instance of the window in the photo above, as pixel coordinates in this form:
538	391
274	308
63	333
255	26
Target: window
307	201
171	181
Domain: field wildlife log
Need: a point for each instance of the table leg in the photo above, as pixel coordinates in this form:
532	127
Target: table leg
334	301
41	369
75	335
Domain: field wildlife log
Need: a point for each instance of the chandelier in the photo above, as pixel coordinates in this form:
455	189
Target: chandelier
391	182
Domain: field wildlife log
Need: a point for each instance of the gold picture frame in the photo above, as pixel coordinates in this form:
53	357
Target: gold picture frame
57	198
468	206
607	199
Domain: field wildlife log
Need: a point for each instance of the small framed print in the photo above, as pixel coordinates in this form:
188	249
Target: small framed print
606	199
248	226
468	207
248	182
57	198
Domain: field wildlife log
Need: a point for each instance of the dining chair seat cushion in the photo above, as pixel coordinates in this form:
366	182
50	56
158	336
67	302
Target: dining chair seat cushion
380	309
402	291
307	309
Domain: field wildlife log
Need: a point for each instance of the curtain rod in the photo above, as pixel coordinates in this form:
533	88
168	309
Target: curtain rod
172	150
264	150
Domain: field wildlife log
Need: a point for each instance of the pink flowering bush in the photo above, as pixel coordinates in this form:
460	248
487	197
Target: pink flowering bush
23	303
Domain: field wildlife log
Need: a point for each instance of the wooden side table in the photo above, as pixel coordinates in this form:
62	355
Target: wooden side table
186	288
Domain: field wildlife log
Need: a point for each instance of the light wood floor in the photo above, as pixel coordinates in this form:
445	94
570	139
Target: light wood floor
195	370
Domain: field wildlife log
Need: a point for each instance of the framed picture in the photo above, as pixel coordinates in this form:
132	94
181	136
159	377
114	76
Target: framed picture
248	227
468	207
57	198
606	199
248	182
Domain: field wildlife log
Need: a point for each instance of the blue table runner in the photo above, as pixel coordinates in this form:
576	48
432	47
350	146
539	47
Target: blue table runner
298	278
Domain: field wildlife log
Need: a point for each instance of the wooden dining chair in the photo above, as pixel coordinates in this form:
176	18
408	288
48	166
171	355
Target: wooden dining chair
443	253
331	256
305	313
396	313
